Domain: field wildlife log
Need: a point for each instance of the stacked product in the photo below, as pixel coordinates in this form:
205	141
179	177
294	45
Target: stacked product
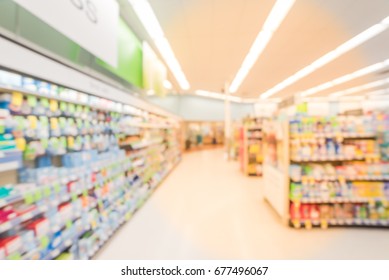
252	154
339	175
84	165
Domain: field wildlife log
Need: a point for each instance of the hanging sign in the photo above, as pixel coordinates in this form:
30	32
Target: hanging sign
92	24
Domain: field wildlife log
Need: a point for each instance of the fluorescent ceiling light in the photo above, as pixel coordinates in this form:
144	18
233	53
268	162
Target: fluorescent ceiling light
150	22
346	78
361	88
233	98
345	47
217	95
276	16
379	92
167	84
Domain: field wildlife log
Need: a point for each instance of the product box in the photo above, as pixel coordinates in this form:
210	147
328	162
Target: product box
28	241
2	253
66	211
41	227
10	79
55	241
11	244
29	84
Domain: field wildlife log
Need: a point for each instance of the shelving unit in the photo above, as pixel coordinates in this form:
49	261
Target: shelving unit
251	151
336	173
84	165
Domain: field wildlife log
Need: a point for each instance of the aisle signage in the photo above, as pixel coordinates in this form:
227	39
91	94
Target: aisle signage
93	24
154	71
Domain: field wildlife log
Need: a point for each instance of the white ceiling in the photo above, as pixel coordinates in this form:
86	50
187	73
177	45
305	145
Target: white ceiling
210	39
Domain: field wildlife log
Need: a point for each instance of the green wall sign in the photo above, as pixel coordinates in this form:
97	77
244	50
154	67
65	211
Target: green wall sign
130	57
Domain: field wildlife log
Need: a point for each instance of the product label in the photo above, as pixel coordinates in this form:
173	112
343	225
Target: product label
20	144
17	99
29	198
45	143
57	187
63	106
54	123
45	102
33	121
70	142
38	195
32	101
46	191
53	105
71	108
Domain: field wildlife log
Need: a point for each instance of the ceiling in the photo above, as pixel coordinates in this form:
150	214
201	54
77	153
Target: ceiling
210	39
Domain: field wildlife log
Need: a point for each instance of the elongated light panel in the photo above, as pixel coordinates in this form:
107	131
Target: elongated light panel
346	78
345	47
150	22
273	21
356	89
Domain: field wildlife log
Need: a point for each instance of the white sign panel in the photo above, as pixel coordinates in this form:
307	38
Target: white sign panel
93	24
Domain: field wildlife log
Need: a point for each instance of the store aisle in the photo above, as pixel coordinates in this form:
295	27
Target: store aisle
207	209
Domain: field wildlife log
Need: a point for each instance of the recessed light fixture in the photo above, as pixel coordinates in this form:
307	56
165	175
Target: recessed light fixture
346	78
361	88
345	47
150	22
276	16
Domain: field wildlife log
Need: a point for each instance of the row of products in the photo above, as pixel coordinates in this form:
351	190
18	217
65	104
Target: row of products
75	186
94	203
254	134
336	189
347	171
383	140
251	152
333	149
52	91
339	211
338	125
26	227
40	135
252	123
255	157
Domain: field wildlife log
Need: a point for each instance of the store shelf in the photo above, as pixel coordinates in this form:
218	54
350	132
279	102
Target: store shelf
335	135
64	246
5	88
139	204
349	179
334	200
340	222
13	165
150	125
99	178
254	128
327	159
321	183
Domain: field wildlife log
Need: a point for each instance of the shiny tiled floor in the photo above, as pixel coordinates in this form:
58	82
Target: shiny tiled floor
206	209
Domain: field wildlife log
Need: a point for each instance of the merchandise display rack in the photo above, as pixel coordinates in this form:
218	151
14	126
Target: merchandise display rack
82	165
338	171
251	154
